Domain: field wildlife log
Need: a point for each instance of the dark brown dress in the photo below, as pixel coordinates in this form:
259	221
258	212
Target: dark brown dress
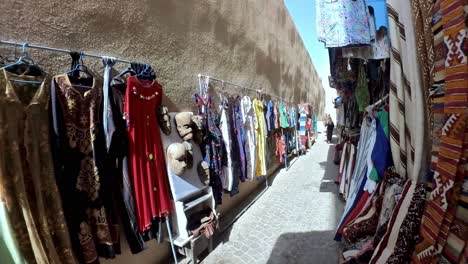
84	180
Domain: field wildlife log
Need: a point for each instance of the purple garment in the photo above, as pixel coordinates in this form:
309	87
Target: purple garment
240	135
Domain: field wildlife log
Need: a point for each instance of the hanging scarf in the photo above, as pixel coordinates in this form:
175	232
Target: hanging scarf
108	121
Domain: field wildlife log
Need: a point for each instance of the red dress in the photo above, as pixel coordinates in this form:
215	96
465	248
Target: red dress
146	159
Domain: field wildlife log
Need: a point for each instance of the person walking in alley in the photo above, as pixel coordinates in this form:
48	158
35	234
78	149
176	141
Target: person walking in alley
330	126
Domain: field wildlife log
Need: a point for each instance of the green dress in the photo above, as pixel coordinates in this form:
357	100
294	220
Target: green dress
9	252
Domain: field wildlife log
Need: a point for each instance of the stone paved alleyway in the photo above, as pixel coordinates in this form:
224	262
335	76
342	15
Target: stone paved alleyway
294	221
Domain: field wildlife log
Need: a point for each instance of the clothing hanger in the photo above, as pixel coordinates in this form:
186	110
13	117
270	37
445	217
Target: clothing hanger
127	71
26	65
74	74
144	71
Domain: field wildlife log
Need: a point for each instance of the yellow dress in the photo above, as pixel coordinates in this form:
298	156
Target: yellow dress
261	134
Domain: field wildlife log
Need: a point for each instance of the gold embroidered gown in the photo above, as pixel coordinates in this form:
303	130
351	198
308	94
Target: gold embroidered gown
27	181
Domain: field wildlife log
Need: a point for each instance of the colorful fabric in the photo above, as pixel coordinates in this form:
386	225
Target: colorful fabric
362	91
381	155
359	177
270	116
293	117
280	147
9	250
439	229
261	134
238	127
366	224
422	17
302	124
284	122
399	240
80	159
341	23
407	112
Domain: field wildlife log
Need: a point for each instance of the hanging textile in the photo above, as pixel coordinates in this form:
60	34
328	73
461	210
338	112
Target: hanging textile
213	149
238	127
146	156
283	116
422	19
444	238
357	197
399	240
250	121
27	181
80	157
407	111
108	120
237	145
362	91
224	126
341	23
118	156
261	134
270	116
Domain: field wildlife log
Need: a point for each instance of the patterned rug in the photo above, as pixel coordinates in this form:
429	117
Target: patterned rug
444	227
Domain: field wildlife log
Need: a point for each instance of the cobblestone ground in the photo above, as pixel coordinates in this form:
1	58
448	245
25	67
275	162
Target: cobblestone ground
293	221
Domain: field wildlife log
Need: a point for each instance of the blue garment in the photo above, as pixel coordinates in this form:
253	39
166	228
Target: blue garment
293	117
302	124
381	154
270	116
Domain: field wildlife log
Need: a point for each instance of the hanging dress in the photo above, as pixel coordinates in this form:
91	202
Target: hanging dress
79	153
224	126
213	149
32	224
146	157
261	133
250	120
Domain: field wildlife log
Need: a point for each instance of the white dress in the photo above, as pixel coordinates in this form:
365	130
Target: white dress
225	131
249	119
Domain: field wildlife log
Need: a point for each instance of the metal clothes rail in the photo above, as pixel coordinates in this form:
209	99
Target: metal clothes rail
28	45
243	87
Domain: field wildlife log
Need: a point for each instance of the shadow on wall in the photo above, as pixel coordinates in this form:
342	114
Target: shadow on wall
307	247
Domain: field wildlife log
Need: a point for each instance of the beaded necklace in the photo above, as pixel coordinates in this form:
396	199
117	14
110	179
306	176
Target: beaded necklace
147	98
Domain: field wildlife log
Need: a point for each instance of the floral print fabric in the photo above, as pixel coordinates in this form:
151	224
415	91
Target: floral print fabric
343	22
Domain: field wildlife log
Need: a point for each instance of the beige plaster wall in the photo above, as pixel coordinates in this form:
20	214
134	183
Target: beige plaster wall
250	42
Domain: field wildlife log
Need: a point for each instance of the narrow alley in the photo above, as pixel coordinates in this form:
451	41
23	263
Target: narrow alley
294	220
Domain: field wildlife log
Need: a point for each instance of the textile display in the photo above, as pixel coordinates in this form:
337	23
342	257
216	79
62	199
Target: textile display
80	158
342	23
146	157
407	113
441	228
422	18
261	134
28	188
398	243
250	121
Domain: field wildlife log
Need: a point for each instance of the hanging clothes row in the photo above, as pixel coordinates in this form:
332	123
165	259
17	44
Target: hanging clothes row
72	177
237	147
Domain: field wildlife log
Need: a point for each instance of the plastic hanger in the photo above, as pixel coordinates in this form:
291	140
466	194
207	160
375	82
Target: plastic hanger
127	71
80	68
28	63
